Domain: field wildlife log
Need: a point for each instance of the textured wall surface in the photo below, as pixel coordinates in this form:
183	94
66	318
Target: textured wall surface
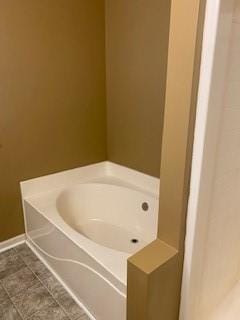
222	251
137	35
222	257
52	94
214	268
57	112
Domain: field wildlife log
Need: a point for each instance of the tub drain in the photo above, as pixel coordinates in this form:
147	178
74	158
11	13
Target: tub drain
134	240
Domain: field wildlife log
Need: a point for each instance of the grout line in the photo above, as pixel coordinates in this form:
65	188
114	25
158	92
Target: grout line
51	294
39	280
14	273
12	301
31	245
16	253
42	283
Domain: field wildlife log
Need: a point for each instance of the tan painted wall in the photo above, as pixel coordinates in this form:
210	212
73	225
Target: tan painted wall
136	49
52	94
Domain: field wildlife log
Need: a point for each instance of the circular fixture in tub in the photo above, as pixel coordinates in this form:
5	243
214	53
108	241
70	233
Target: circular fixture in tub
109	215
145	206
111	236
134	240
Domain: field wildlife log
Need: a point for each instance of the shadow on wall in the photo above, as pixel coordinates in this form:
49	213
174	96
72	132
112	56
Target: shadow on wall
52	74
53	89
137	34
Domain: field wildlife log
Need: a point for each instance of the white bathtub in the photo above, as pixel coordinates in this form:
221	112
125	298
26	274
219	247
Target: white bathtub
85	223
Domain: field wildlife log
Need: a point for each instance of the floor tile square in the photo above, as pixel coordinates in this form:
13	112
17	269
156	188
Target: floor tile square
32	300
70	306
10	264
26	254
3	295
53	312
19	281
7	253
63	298
53	286
29	291
39	269
9	312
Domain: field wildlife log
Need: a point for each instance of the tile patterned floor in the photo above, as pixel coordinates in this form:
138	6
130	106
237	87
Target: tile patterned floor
29	291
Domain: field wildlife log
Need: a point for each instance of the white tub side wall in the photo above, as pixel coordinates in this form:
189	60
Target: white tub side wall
210	267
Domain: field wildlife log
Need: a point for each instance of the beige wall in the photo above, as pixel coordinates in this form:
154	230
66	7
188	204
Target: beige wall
136	49
216	249
221	269
52	94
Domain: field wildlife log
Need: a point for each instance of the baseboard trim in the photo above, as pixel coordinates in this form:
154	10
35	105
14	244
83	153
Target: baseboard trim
13	242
